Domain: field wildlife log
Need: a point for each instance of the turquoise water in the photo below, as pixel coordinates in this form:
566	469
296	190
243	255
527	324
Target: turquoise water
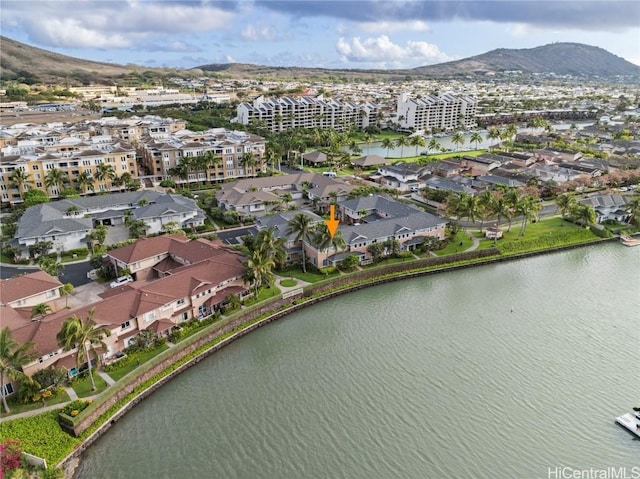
500	371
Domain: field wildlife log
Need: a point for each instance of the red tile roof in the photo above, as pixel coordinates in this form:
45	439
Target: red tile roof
27	285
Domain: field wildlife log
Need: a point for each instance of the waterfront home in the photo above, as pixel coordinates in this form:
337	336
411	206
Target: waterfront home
29	289
198	283
609	207
66	223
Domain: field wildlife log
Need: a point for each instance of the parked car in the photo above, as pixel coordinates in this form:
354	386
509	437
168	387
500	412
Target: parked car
120	281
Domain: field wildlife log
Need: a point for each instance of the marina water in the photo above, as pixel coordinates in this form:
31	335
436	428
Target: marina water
509	370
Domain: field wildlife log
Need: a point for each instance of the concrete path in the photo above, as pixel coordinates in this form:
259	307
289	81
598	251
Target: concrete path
71	392
476	243
286	289
107	378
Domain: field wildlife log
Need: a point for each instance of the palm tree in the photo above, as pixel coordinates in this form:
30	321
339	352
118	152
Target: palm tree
20	179
476	138
367	138
65	290
260	267
271	246
457	139
565	203
208	160
78	332
105	172
12	358
433	145
417	141
494	134
401	141
485	206
41	309
125	179
388	144
323	240
527	207
300	226
85	181
586	214
249	162
633	207
55	177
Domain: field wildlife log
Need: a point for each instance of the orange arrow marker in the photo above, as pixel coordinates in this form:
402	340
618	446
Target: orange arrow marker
332	224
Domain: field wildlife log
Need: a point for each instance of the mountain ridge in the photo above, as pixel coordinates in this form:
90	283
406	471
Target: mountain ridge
32	64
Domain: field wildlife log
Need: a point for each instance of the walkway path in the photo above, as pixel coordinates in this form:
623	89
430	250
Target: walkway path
106	377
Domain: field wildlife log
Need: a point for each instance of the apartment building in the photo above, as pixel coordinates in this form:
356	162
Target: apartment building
279	114
89	163
229	154
197	278
443	111
133	129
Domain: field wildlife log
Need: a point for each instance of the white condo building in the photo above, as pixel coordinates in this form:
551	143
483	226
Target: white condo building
283	113
443	111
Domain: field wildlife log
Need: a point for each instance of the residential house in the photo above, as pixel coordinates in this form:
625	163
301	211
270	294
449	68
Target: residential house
609	207
66	223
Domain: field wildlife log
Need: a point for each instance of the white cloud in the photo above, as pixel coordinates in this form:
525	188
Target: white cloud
382	50
256	33
109	24
388	27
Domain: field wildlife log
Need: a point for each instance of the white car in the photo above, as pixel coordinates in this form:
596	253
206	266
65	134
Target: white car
121	280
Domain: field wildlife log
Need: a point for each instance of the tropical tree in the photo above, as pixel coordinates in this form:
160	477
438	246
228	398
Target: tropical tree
528	208
300	226
260	270
494	134
85	335
12	358
65	290
566	203
457	139
585	214
271	246
368	139
105	172
417	140
85	181
388	144
322	239
485	207
55	178
633	207
41	310
476	138
434	145
401	141
249	162
21	180
50	265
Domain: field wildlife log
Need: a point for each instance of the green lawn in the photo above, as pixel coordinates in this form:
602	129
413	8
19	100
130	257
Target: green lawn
454	245
310	276
142	356
288	283
17	408
263	293
82	387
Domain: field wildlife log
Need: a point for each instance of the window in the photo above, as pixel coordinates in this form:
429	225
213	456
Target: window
8	389
150	316
180	302
86	162
35	167
50	294
125	325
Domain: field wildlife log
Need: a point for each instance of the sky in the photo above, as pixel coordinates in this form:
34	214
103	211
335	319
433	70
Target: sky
356	34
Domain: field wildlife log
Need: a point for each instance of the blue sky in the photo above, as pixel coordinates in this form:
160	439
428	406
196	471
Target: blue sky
330	34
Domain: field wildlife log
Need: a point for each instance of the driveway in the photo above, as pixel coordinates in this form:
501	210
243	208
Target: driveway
116	234
83	295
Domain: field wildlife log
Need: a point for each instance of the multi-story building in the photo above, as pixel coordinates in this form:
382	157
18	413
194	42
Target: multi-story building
279	114
133	129
436	112
209	156
91	163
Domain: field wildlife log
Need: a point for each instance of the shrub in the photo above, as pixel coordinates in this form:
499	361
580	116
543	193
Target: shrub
75	407
10	453
168	184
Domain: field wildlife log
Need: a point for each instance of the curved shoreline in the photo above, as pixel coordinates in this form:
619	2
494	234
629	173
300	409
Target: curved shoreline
275	310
